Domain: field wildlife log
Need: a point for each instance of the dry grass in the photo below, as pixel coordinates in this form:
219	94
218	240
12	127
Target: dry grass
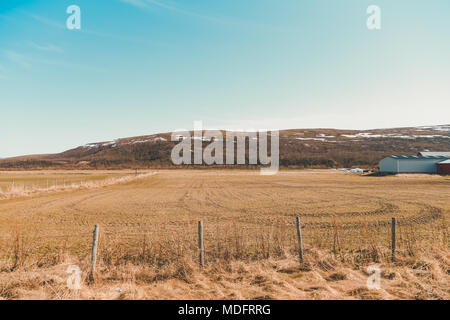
32	183
148	237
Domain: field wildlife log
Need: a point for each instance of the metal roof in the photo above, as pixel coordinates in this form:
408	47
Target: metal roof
418	157
445	162
435	154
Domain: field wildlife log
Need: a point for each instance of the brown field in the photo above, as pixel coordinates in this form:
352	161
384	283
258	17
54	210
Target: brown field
148	236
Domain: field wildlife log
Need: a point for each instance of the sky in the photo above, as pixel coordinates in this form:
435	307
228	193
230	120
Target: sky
139	67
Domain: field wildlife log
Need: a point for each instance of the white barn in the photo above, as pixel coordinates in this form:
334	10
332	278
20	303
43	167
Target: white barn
411	164
434	154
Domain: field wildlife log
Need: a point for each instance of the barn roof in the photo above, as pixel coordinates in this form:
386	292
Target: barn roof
435	154
419	157
445	162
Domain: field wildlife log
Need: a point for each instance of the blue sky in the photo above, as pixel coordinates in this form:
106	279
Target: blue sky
143	66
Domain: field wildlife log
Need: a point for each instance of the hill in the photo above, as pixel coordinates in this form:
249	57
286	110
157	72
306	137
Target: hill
299	148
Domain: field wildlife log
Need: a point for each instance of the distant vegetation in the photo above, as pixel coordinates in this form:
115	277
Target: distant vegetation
313	148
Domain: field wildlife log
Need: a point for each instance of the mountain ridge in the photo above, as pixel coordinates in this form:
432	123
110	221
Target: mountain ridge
299	148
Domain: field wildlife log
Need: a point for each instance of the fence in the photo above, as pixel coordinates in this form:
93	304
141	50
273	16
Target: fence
19	187
42	184
210	243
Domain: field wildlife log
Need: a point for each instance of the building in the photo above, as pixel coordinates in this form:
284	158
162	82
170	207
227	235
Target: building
413	164
443	167
434	154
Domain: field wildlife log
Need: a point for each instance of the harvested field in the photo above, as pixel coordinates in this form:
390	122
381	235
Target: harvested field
148	237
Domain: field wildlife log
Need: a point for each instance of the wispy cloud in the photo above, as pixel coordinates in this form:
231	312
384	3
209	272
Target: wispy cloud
18	58
46	21
69	65
47	47
136	3
26	62
148	4
61	26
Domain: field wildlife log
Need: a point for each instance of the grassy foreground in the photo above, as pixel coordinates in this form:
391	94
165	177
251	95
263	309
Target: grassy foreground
148	237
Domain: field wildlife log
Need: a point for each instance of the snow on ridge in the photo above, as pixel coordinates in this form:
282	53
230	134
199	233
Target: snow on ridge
443	128
368	135
91	145
150	139
97	145
138	141
442	132
323	135
431	136
315	139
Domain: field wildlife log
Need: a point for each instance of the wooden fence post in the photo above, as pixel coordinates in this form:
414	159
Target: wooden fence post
299	238
393	225
94	252
201	244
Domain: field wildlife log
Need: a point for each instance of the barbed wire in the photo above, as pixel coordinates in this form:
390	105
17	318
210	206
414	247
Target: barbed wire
215	233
